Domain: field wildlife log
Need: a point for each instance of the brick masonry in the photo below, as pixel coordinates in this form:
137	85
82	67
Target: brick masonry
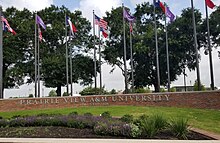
204	100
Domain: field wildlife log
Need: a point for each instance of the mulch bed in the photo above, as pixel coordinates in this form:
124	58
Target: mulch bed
64	132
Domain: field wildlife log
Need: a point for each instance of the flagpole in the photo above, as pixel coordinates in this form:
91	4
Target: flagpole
184	78
157	58
67	68
167	51
125	67
196	47
38	62
95	73
1	57
71	68
35	58
210	50
100	62
132	64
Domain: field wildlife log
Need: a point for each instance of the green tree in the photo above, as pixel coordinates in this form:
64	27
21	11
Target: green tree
53	52
181	49
93	91
196	88
113	53
214	26
52	93
214	29
17	48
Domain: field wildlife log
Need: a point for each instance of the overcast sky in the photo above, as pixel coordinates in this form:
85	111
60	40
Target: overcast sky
115	79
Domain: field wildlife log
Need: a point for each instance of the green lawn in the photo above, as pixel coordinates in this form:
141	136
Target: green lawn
204	119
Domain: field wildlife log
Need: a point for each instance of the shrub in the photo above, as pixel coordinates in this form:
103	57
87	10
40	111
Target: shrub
65	94
160	121
73	113
17	122
127	118
3	123
1	117
30	95
92	91
101	128
52	93
196	86
179	128
117	128
135	131
172	89
72	123
113	91
106	115
88	114
15	116
43	115
142	90
150	125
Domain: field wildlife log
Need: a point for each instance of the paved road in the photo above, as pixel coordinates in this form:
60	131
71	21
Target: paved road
48	140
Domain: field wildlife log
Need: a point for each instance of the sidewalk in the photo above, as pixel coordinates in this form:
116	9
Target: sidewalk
50	140
207	133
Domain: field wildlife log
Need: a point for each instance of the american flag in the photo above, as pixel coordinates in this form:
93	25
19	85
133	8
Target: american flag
100	22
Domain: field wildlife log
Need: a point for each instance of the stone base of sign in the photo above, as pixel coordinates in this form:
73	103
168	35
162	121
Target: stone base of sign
205	100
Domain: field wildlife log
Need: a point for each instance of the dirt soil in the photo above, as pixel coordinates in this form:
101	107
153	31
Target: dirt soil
64	132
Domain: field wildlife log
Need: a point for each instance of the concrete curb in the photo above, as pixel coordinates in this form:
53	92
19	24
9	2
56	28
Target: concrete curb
206	133
54	140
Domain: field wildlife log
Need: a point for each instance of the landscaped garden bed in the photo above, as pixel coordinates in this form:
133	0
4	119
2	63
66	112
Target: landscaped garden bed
104	126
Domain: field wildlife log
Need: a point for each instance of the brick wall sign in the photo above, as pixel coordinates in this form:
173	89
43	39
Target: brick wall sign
207	100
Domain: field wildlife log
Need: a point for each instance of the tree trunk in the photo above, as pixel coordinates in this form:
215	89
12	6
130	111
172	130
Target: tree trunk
58	91
126	86
157	89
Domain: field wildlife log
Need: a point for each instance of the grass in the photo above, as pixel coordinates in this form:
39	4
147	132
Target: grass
199	118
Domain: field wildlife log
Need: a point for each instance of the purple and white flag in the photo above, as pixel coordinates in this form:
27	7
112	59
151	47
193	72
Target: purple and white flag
127	16
169	14
40	22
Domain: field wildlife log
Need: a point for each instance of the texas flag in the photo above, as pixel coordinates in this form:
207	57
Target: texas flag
210	4
159	4
72	26
40	34
105	32
7	26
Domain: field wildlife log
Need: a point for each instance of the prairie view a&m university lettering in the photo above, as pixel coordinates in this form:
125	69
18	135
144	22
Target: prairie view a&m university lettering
208	100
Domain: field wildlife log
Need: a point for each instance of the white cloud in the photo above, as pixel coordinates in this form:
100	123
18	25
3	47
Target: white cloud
100	7
135	2
33	5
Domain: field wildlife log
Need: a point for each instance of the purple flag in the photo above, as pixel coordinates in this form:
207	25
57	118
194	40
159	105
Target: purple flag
170	14
127	16
40	22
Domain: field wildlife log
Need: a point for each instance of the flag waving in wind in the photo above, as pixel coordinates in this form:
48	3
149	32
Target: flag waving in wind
40	34
105	32
160	4
6	25
72	26
169	14
40	22
127	16
210	4
103	25
101	22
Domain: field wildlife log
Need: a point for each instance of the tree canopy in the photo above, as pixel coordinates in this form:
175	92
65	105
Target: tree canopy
18	52
181	49
19	49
